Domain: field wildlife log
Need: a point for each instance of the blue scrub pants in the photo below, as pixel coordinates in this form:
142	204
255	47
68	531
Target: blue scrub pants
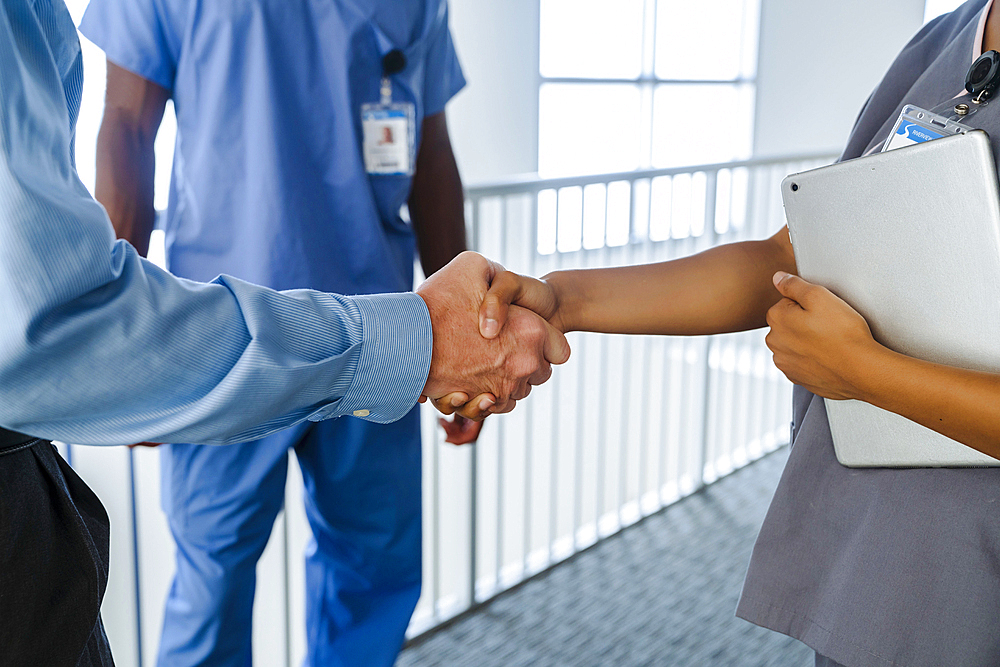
362	499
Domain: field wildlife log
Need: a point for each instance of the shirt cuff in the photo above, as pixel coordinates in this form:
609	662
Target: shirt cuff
395	359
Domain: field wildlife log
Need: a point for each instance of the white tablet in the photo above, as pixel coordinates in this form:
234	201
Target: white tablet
911	239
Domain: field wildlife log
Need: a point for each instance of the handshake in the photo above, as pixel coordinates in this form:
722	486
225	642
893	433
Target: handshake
495	336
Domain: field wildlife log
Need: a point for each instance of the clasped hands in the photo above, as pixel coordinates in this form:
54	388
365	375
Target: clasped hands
478	369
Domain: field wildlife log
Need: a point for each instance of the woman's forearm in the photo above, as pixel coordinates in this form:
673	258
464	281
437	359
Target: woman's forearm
959	403
726	288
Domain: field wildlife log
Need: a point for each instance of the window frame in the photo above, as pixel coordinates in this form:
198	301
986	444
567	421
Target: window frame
648	82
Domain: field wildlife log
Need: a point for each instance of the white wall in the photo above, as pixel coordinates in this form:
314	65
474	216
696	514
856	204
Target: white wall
494	121
819	61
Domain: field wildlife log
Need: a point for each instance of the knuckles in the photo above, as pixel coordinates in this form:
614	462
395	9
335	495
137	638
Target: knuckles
773	314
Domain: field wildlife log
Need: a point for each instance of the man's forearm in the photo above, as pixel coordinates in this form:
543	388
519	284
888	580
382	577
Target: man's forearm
125	178
437	202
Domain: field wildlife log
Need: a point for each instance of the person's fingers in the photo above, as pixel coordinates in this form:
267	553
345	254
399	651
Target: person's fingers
461	431
478	408
793	287
504	290
500	407
541	376
473	429
776	315
521	392
556	348
494	269
442	406
503	407
511	288
449	403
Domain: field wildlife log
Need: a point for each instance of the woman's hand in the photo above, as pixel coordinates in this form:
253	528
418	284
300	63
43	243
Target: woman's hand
509	288
818	341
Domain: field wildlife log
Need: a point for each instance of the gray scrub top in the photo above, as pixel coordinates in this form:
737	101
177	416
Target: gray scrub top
879	567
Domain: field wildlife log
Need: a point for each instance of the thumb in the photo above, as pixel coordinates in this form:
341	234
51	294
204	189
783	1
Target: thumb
792	287
557	348
504	290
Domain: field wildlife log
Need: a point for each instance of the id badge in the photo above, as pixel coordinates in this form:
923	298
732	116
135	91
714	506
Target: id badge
916	125
389	139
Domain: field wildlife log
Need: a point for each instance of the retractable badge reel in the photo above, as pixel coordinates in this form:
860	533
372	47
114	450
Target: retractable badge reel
916	125
981	84
389	128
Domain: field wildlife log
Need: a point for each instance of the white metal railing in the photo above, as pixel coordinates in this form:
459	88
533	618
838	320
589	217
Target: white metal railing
628	426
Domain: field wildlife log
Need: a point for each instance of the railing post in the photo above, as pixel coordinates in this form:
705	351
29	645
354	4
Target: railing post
530	407
711	194
474	460
435	530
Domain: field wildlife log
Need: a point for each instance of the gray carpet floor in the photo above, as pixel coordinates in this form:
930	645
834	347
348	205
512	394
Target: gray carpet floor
662	592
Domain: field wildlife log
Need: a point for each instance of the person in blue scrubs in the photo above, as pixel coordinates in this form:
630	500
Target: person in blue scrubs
272	183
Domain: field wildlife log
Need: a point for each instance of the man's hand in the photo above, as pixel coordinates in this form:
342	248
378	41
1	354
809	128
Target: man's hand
507	288
818	340
505	367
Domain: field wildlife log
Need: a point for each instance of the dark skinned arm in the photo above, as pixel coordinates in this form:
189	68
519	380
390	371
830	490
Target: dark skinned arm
133	110
437	203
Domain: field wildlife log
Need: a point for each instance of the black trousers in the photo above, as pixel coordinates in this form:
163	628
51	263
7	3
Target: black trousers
53	560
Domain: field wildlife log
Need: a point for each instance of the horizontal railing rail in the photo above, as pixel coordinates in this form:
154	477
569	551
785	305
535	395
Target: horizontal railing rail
532	182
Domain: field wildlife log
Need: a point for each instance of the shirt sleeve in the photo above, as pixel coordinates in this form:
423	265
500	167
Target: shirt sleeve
99	346
444	73
142	36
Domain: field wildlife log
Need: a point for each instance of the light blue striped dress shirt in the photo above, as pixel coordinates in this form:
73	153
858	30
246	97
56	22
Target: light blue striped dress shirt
99	346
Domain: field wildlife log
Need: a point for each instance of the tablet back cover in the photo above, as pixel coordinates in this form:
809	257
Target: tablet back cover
911	239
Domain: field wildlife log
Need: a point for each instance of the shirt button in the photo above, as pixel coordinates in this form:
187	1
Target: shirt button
361	413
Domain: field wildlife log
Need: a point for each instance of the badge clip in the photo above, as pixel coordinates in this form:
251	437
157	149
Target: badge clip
983	77
393	62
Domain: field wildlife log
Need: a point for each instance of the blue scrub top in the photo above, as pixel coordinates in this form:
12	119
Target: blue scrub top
269	182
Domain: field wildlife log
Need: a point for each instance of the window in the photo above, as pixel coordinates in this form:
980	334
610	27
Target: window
632	84
935	8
